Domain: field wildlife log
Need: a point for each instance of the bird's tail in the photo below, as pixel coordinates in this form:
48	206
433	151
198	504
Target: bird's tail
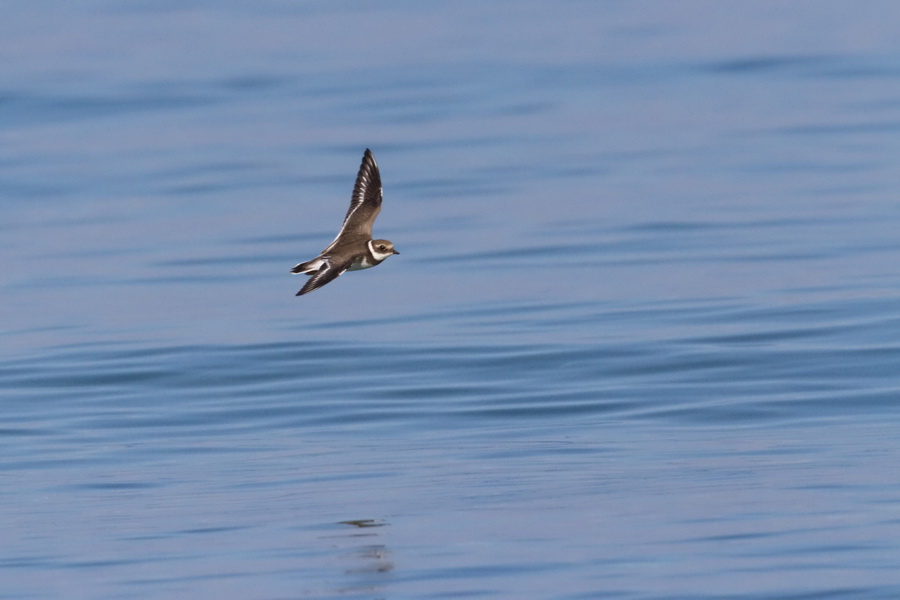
309	267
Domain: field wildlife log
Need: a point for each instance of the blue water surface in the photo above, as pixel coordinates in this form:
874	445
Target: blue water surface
641	341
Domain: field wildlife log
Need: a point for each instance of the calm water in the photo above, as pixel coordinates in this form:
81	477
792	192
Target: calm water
642	341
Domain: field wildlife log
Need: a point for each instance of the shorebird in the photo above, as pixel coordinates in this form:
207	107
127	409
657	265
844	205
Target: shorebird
353	249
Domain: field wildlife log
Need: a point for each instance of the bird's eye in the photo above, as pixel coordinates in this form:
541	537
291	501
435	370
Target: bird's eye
381	247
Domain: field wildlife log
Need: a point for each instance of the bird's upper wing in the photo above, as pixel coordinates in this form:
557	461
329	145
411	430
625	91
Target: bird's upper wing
329	272
365	204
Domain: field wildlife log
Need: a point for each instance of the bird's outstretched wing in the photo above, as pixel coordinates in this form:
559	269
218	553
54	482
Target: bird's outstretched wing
365	204
327	273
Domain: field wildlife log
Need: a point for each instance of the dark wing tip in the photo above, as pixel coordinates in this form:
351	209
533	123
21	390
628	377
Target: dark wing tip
368	181
310	286
313	283
368	162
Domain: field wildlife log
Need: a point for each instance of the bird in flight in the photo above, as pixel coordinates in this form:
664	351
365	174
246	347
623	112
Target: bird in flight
353	249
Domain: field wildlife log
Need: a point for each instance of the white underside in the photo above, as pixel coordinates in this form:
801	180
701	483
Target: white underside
363	262
359	265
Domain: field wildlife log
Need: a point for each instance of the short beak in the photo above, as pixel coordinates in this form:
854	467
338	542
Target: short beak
395	252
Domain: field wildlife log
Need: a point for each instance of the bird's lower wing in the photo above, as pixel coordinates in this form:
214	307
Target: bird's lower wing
326	274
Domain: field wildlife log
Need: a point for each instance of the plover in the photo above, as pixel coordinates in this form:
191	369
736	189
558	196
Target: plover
353	249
